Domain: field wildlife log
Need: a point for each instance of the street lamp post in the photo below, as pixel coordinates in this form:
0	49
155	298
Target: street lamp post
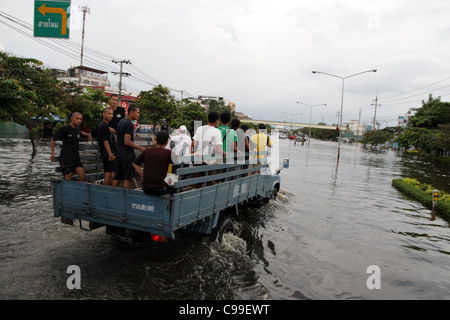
342	99
310	117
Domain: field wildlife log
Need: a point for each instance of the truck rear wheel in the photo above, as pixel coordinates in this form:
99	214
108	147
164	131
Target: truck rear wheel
274	194
223	226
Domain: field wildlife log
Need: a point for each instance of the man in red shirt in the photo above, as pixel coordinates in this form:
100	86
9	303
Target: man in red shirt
156	162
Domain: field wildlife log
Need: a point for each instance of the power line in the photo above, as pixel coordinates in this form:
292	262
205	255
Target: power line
121	62
66	48
424	87
72	49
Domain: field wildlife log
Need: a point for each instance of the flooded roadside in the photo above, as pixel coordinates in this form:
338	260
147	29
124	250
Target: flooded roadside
331	222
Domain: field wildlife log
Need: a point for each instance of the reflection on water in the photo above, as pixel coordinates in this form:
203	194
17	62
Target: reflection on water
330	222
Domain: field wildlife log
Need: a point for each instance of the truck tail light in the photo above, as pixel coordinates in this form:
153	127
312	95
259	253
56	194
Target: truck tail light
158	238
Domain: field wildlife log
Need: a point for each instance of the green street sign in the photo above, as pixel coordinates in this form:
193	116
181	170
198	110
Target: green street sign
51	19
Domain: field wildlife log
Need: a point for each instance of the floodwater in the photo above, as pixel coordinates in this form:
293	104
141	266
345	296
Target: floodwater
332	221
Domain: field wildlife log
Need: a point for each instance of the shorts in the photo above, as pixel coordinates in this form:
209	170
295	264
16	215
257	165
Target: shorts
108	166
123	169
68	167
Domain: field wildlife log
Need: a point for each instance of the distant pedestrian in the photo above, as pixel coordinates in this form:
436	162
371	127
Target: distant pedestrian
70	136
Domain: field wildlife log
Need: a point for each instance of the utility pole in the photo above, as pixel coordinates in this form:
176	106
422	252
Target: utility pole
375	114
84	9
121	73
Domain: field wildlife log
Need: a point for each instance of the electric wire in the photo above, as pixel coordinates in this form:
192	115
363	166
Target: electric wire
71	49
392	99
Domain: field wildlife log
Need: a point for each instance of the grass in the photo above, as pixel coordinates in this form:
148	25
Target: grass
423	193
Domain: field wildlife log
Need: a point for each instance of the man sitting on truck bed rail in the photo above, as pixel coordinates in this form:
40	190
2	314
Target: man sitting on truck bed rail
156	162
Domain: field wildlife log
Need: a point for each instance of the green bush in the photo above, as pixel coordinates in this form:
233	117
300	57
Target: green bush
423	193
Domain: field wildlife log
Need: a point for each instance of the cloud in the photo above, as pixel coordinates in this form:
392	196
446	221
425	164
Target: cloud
260	53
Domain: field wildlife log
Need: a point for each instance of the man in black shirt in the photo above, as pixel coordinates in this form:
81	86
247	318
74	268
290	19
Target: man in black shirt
106	145
118	112
70	157
124	169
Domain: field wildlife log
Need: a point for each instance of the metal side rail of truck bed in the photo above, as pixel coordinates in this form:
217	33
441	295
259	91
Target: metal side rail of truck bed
194	209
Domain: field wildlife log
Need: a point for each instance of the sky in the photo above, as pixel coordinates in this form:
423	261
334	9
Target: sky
260	54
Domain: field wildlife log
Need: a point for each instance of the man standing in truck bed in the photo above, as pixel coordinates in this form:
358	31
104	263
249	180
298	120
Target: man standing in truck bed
261	140
106	145
124	169
70	136
118	112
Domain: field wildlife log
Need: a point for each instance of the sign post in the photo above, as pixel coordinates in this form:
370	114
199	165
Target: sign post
51	19
435	199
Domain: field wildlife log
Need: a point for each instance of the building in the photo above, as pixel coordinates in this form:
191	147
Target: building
355	129
218	99
242	116
402	121
95	79
85	76
204	101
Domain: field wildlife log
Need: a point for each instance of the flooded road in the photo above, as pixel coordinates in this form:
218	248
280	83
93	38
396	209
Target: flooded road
332	221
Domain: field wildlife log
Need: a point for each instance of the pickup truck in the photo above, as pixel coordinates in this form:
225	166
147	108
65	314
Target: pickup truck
206	210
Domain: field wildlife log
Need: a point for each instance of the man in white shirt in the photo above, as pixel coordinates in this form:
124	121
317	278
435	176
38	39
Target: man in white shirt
207	142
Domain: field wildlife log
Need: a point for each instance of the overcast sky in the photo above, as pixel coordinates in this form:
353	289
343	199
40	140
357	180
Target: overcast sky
260	54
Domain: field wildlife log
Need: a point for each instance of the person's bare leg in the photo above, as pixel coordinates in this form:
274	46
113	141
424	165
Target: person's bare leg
81	174
108	179
127	184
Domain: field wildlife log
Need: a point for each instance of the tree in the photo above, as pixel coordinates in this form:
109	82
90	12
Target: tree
89	104
157	106
431	114
189	111
323	134
428	129
28	93
219	106
376	137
